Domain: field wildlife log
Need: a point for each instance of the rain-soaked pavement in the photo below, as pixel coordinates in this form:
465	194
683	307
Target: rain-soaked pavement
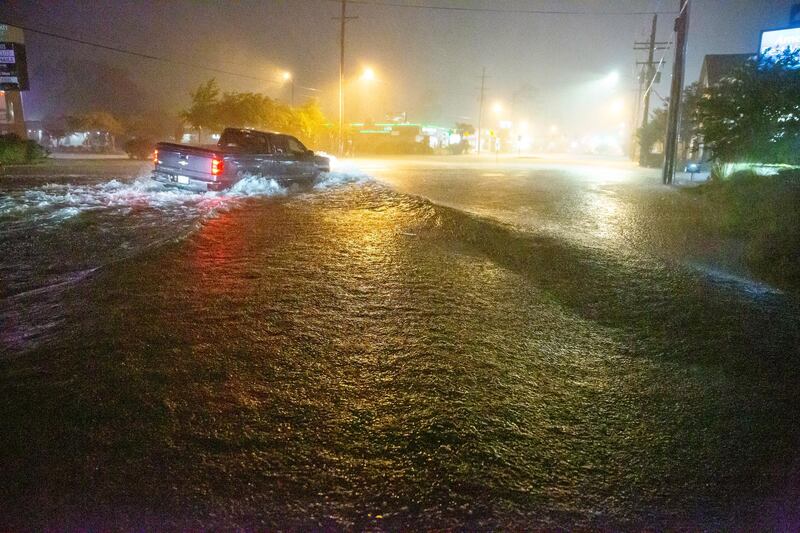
530	344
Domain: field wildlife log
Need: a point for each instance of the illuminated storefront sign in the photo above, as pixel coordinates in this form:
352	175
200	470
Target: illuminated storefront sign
13	67
776	41
13	62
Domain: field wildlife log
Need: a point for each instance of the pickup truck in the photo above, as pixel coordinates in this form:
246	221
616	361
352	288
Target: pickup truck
239	153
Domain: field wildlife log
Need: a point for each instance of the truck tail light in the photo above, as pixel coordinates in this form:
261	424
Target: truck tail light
155	157
217	166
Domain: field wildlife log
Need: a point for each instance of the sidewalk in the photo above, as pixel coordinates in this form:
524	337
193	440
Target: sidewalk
685	179
63	155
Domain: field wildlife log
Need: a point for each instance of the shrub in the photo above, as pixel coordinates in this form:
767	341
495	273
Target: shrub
15	150
139	148
764	211
35	151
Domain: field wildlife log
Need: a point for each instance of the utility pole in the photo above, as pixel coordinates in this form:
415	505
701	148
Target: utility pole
650	69
480	108
343	21
650	76
674	116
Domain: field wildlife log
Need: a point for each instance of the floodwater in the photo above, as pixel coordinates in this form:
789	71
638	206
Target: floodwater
413	345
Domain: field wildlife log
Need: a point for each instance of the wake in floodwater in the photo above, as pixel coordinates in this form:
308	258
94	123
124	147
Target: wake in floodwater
51	229
342	173
56	202
59	234
746	285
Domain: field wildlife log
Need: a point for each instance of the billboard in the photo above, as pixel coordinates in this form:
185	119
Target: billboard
775	41
13	67
13	64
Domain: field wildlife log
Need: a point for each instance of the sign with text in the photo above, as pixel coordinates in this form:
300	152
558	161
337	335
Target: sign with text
13	67
776	41
11	34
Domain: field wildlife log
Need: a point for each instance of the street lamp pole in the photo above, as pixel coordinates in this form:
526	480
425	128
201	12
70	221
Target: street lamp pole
480	108
341	77
342	22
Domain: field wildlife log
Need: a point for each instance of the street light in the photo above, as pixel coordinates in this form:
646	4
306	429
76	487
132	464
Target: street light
497	108
612	79
617	106
368	74
370	80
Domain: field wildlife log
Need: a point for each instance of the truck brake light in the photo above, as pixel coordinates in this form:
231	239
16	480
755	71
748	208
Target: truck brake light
217	165
155	157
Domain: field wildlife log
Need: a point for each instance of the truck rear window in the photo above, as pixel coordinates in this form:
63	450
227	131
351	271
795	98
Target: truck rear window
244	141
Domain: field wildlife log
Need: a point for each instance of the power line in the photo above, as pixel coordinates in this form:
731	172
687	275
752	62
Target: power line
141	55
509	11
664	55
651	48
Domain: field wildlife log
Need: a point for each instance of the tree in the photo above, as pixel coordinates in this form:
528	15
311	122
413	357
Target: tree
155	125
310	121
689	119
211	110
203	112
464	129
754	114
102	121
655	131
106	126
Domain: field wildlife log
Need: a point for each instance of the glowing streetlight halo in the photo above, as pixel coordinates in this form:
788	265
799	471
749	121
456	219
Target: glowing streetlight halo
368	74
612	79
617	106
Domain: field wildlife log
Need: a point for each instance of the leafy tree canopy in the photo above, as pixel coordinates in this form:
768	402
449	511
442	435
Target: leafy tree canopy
211	110
754	114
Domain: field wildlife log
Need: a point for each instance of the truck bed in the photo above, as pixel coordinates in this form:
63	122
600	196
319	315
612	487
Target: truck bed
192	167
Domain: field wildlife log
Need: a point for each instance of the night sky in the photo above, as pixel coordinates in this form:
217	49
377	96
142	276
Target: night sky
428	62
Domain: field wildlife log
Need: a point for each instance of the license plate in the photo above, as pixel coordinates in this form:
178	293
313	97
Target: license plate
183	179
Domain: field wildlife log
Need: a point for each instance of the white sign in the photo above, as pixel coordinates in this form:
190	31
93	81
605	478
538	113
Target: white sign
776	41
11	34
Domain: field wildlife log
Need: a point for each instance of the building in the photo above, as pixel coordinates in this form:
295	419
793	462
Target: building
11	117
400	138
718	66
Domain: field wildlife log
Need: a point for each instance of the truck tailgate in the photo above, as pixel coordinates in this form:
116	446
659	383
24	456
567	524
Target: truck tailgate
191	161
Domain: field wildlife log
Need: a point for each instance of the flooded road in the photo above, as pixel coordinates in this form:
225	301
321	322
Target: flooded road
407	343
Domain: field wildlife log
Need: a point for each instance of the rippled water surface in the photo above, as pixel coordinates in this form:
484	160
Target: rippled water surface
353	355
